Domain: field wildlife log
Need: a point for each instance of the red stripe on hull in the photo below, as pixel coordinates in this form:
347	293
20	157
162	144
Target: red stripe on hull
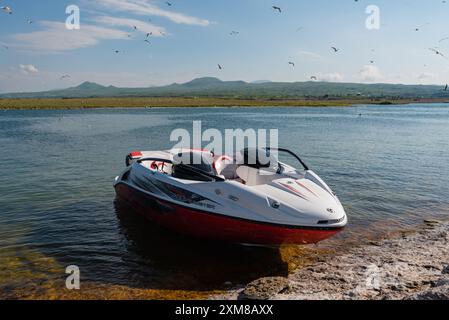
216	227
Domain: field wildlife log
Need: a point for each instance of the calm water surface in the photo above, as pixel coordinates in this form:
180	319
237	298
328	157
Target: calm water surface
389	167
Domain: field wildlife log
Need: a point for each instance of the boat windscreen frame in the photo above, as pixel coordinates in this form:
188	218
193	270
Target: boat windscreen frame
305	166
212	177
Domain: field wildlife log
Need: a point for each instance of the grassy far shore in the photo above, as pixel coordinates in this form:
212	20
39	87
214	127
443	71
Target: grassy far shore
131	102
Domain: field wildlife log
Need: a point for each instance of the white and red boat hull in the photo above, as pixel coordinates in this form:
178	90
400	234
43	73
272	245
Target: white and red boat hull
213	226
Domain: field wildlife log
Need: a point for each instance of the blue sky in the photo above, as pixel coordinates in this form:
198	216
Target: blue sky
191	37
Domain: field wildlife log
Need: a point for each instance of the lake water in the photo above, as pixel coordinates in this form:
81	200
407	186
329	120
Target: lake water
388	164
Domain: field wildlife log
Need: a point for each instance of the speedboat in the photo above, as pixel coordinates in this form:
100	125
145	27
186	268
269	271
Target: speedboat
232	198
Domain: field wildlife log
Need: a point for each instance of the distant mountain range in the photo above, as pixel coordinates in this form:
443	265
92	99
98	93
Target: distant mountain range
213	87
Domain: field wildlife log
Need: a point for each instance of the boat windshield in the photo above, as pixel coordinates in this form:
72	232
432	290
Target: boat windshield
193	166
288	156
258	158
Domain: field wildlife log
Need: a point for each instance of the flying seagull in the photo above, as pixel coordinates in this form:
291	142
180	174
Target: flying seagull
438	52
66	76
313	78
291	63
234	33
147	41
445	88
277	8
335	49
419	27
6	9
149	34
168	3
29	21
220	67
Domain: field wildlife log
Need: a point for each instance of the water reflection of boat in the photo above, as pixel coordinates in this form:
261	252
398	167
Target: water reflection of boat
160	259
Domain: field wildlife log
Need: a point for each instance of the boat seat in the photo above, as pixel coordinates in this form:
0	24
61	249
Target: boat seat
253	176
225	167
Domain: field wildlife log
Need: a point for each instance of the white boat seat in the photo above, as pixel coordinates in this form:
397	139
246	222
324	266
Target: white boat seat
255	177
225	166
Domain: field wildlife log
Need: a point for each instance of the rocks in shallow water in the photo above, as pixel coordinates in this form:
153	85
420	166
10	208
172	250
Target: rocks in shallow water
264	288
445	270
416	268
438	293
430	222
440	283
375	243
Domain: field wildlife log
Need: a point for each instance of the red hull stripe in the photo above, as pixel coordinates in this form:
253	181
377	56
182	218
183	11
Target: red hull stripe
305	187
213	226
296	192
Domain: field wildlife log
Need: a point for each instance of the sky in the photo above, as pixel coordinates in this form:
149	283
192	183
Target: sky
190	38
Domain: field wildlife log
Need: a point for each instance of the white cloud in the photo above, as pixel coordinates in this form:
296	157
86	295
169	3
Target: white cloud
331	77
427	76
28	69
309	54
142	26
145	8
370	74
56	38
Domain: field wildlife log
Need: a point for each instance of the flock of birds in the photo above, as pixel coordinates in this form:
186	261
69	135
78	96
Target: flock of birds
436	50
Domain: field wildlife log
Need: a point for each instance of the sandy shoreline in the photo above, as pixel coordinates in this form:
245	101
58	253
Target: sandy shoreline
410	266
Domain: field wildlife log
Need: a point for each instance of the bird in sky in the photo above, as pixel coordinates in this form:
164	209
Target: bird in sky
147	41
29	21
6	9
418	28
220	67
277	8
149	34
291	63
335	49
445	88
66	76
234	33
438	52
168	3
313	78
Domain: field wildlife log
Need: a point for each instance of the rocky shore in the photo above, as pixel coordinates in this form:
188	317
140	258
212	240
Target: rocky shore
410	266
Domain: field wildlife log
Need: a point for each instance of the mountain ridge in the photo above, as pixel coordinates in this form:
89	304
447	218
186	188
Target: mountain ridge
214	87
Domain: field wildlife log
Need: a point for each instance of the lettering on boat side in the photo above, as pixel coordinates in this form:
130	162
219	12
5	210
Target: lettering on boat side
231	309
72	282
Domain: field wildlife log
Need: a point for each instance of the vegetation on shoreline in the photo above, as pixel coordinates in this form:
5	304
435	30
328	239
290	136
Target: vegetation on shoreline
152	102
